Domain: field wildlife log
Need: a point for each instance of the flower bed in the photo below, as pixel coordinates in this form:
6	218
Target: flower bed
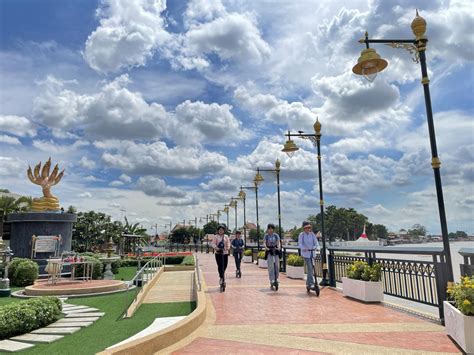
363	282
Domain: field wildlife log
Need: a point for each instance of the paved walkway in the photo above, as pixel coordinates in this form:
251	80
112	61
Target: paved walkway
249	318
172	286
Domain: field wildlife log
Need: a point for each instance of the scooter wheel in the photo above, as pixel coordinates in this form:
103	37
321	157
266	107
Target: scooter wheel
317	292
308	289
276	286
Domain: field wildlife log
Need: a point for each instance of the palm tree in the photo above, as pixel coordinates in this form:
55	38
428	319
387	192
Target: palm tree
9	205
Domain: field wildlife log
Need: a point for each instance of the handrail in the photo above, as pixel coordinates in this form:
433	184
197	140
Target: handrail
392	250
138	280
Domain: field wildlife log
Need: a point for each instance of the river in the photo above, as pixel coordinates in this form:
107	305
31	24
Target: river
455	256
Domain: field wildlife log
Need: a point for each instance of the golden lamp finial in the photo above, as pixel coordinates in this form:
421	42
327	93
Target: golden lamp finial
277	164
48	202
317	126
418	26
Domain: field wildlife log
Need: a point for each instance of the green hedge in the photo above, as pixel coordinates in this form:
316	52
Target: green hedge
248	252
22	317
22	272
188	260
261	255
295	260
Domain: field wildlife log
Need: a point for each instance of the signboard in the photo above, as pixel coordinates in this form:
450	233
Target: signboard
45	244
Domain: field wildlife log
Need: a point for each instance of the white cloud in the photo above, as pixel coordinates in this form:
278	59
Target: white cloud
86	163
116	183
11	166
125	178
17	125
9	140
128	35
53	147
85	195
154	186
157	159
208	123
211	30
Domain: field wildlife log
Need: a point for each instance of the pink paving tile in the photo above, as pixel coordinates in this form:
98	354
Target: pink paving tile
213	346
426	341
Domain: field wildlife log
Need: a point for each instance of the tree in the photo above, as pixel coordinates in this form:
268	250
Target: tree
71	209
458	235
210	227
10	204
342	223
253	235
416	231
93	229
181	235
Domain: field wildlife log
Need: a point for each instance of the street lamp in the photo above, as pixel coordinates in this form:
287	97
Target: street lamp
242	196
226	210
255	188
261	179
290	148
233	203
370	63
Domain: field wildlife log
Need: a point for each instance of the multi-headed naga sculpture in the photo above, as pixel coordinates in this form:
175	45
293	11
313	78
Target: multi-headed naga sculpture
48	202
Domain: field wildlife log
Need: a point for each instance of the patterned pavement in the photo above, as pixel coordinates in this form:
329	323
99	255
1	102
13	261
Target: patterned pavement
249	318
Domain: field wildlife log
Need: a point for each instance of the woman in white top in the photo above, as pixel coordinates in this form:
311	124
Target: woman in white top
221	245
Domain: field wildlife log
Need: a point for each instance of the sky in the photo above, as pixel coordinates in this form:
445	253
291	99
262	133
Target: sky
160	110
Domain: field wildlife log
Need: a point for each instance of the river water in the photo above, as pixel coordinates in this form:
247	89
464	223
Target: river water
455	256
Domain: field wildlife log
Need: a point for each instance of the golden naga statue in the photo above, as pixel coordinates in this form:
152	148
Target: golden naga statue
48	202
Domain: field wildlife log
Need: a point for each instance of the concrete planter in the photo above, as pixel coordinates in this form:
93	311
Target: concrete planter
459	327
247	258
295	272
366	291
262	263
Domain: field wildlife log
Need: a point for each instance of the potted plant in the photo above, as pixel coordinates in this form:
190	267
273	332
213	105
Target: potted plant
295	266
363	282
262	263
459	313
247	258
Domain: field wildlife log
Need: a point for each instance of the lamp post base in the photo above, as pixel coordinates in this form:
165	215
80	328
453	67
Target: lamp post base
324	282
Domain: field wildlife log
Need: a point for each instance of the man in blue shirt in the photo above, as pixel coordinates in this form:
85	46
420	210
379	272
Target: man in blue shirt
308	244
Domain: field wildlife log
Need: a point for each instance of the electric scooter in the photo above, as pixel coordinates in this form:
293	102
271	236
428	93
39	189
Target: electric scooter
238	273
274	285
316	286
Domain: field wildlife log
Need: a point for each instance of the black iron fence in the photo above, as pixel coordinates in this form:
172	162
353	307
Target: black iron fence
421	281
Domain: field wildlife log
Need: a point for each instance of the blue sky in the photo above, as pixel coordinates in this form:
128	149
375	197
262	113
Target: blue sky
164	109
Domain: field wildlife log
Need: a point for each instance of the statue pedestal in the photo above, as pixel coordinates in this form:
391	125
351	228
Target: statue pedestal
25	225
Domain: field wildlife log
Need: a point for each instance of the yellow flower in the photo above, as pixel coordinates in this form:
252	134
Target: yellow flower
466	302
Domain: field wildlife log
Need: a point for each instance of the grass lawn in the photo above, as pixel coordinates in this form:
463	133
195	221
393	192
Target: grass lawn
6	300
126	273
108	330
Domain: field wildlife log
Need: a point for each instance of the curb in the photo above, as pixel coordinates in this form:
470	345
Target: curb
153	343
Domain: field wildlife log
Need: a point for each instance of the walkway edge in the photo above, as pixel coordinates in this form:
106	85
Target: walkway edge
166	337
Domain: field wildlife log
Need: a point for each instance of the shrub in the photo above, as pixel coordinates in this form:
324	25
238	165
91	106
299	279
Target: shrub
133	261
188	260
23	273
25	316
462	294
13	265
261	255
173	260
295	260
360	270
248	252
115	266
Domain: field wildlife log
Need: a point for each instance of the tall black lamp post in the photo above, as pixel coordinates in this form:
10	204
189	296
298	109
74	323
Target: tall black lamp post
290	148
233	203
242	196
255	188
260	178
370	63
